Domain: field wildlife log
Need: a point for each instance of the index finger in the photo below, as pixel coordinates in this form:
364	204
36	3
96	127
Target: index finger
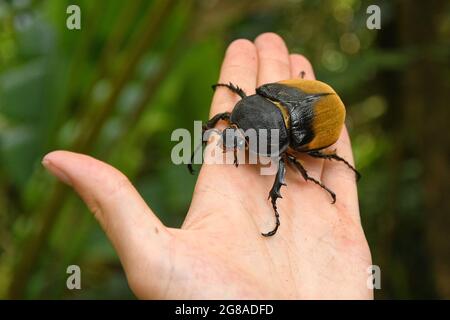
240	68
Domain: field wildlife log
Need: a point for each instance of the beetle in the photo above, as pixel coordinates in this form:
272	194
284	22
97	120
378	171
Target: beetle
308	114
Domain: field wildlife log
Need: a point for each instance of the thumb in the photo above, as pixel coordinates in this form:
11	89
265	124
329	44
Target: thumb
125	217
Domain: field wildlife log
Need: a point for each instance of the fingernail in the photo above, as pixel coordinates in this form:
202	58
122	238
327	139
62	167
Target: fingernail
56	171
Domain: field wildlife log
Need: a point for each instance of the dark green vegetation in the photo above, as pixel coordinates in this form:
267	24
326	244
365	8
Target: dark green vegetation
116	90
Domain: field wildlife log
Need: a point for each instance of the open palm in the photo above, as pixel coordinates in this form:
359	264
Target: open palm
319	251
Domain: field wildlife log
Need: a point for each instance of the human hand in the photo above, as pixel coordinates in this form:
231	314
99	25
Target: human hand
319	252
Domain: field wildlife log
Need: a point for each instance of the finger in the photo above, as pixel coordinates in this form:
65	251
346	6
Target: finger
240	68
273	58
338	177
115	203
300	64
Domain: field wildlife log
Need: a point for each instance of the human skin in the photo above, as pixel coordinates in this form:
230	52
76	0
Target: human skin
319	251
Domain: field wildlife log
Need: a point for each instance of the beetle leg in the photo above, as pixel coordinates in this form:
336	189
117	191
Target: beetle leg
232	87
274	194
209	125
302	74
305	175
213	121
334	156
189	165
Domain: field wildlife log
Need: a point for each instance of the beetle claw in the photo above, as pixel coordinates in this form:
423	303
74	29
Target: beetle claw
333	196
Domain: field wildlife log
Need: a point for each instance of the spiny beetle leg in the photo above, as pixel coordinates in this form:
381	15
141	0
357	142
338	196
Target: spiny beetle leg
274	194
209	125
232	87
305	175
334	156
189	165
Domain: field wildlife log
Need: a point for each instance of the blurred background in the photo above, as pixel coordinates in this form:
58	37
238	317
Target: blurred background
137	70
